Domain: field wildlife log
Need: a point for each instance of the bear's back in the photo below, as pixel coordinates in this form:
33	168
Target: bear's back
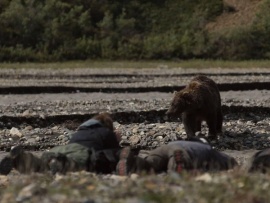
204	86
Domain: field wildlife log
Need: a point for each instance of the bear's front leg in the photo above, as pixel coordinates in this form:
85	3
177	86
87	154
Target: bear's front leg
190	124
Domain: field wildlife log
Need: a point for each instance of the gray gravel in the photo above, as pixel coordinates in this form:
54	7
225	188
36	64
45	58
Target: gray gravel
79	103
246	132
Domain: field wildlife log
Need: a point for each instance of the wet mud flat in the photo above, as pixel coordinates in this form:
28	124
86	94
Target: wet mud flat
40	109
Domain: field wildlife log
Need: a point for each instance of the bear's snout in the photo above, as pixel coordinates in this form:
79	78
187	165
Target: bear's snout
170	113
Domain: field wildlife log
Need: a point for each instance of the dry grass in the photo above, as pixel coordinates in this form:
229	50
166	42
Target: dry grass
141	64
243	15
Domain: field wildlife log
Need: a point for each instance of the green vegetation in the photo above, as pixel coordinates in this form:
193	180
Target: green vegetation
59	30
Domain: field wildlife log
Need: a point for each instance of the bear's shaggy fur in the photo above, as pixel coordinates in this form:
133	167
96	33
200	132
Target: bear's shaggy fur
198	101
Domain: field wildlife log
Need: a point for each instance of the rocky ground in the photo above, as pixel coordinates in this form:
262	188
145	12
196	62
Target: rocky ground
39	109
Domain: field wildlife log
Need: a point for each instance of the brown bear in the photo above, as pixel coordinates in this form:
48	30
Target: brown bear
198	101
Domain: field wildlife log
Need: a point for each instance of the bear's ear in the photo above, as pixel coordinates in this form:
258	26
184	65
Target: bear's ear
174	93
194	85
185	94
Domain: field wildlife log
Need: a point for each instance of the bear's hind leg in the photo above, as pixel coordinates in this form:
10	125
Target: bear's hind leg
219	121
212	126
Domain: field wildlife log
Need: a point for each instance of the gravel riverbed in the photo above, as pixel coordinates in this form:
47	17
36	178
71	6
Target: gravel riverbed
42	120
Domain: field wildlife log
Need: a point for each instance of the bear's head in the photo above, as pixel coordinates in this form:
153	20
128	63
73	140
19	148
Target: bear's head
182	101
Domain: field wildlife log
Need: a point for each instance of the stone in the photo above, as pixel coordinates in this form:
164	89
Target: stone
26	113
204	178
29	127
27	192
134	139
15	132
